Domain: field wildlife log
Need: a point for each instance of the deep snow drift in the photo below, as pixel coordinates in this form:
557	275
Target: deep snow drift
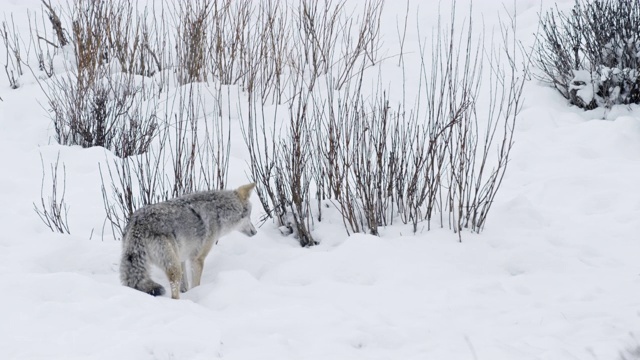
555	274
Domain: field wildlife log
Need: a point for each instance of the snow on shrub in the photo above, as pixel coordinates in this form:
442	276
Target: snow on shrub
592	54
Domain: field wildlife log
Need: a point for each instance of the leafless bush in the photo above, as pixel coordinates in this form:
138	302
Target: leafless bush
61	34
473	142
327	40
456	76
282	162
231	35
105	110
154	43
293	166
505	83
97	101
116	32
337	117
267	52
53	211
312	133
378	160
304	159
247	45
45	49
590	55
90	41
352	156
382	160
13	48
193	24
360	41
420	143
133	40
318	24
260	138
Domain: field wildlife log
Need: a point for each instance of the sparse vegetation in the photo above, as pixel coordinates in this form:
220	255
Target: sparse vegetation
316	135
54	210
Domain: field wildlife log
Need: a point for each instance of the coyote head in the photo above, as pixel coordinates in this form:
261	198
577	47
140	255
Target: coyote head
244	193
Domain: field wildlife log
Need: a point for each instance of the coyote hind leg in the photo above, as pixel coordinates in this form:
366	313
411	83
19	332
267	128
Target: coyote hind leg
174	273
197	266
172	266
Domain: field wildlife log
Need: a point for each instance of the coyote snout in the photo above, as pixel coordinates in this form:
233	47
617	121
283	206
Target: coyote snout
248	228
169	233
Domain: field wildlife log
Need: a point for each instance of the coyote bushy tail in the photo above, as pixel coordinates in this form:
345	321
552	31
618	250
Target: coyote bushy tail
134	266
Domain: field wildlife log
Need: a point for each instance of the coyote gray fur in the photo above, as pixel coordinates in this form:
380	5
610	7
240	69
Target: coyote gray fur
169	233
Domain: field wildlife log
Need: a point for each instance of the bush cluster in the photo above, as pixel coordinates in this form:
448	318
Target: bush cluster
315	134
591	54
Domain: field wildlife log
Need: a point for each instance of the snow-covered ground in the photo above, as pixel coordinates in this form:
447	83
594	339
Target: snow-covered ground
555	274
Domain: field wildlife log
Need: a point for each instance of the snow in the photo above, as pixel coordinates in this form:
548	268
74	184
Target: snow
583	83
555	274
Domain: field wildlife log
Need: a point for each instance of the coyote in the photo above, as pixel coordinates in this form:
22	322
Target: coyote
169	233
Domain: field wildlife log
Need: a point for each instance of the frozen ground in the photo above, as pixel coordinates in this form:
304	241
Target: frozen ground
555	275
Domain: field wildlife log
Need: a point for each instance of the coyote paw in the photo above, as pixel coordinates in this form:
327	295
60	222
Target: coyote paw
157	291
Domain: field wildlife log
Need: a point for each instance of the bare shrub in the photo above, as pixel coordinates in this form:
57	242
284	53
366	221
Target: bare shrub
13	48
154	43
360	41
352	156
97	101
231	34
282	162
590	55
53	211
314	135
379	161
318	24
289	170
61	34
293	166
191	39
466	166
505	83
266	55
249	45
324	149
260	138
94	103
111	111
45	48
115	32
327	40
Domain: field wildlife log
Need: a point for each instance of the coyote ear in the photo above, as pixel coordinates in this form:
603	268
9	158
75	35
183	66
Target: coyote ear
244	191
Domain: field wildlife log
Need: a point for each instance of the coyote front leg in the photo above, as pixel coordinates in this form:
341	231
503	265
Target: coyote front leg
197	264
